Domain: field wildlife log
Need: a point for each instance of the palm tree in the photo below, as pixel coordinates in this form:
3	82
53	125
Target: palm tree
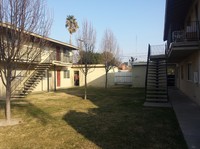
72	25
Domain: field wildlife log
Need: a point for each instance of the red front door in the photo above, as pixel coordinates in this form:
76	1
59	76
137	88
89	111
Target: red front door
58	78
58	55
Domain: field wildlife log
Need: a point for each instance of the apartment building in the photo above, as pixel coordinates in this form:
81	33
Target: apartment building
182	35
48	70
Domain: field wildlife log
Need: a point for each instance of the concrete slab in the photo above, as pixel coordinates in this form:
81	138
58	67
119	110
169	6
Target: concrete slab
158	104
4	122
188	116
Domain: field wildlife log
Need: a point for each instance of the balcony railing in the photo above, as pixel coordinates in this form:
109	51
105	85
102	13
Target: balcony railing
190	32
157	50
62	57
187	34
41	56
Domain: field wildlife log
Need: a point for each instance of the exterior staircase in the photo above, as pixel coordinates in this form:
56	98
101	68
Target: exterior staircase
26	85
156	75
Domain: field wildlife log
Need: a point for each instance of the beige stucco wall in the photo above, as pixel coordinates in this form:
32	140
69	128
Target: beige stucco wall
42	85
64	82
190	88
139	75
96	76
2	87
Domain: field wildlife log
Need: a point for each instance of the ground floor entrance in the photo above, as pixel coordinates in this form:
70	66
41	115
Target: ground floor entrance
76	78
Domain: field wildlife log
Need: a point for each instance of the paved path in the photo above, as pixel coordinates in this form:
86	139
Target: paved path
188	115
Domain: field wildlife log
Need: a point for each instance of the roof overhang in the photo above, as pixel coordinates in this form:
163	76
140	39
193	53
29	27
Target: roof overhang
53	41
72	47
175	13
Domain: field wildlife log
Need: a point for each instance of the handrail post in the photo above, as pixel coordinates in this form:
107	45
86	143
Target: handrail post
147	67
166	60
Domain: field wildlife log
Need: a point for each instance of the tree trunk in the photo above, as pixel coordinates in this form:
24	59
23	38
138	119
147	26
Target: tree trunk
85	81
70	39
8	95
106	82
85	97
8	112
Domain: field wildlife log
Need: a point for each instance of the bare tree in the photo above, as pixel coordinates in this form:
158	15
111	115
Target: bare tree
23	26
110	51
86	44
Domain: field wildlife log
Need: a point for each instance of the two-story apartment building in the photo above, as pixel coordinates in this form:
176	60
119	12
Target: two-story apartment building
49	70
182	34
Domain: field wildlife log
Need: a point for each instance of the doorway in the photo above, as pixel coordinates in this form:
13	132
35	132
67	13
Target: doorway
76	78
58	78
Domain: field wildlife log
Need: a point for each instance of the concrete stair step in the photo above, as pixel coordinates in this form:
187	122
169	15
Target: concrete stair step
157	104
157	86
156	100
157	78
157	65
156	92
153	77
157	81
156	96
156	89
157	70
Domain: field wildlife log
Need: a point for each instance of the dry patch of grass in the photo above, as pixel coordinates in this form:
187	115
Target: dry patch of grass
109	119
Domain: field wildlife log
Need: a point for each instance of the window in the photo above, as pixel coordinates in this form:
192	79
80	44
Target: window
66	53
67	56
189	71
66	74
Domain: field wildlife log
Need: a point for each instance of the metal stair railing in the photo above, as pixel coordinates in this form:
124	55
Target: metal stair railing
24	73
166	73
20	77
157	50
147	68
47	60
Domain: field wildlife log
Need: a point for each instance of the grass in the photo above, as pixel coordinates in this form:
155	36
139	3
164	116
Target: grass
112	119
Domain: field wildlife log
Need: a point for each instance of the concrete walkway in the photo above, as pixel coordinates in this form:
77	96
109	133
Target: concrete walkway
188	115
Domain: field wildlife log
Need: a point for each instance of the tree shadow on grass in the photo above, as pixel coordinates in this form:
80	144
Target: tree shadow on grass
20	107
110	124
107	132
120	121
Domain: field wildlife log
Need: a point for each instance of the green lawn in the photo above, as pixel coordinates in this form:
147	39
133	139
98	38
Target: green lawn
112	119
